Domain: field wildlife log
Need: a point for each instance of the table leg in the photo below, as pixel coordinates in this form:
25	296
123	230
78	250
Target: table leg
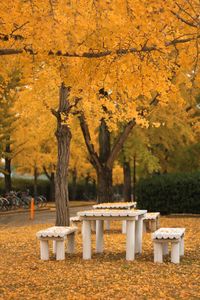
86	234
175	253
138	235
130	240
107	224
99	236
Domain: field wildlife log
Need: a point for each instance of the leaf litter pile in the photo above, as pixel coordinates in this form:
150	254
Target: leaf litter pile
107	276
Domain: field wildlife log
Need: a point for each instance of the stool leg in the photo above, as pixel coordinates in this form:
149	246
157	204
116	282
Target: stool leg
182	246
44	250
153	225
175	253
158	252
60	250
165	248
123	227
54	247
158	222
71	243
144	227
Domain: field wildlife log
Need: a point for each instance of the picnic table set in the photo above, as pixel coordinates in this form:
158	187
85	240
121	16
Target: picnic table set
135	222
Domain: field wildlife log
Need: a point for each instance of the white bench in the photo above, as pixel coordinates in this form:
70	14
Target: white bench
151	221
58	234
162	237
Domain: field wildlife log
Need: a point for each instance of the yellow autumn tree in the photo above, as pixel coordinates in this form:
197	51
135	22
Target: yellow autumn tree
113	58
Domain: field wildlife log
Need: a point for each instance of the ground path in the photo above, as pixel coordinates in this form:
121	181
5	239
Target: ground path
41	217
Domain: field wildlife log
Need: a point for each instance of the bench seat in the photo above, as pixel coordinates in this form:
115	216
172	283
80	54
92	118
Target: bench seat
161	239
58	234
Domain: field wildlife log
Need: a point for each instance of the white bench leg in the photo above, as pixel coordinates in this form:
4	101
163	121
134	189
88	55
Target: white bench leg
60	250
158	252
138	235
165	248
71	243
54	247
99	236
130	240
182	246
175	253
44	250
158	222
153	225
107	225
124	227
86	232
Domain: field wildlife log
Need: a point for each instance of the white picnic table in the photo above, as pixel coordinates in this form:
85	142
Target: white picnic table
134	231
115	205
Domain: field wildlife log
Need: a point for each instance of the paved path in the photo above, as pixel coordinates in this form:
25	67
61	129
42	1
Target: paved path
41	217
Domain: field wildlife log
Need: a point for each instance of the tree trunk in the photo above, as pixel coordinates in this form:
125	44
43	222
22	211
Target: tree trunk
52	186
35	183
63	135
104	174
127	181
104	185
7	175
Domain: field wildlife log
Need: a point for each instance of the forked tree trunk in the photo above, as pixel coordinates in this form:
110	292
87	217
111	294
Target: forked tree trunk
7	175
63	135
127	181
104	185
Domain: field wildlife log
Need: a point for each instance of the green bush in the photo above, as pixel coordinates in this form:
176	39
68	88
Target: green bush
170	193
83	191
21	184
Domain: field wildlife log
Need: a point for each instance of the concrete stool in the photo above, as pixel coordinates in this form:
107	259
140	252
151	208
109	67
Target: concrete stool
151	222
162	237
58	234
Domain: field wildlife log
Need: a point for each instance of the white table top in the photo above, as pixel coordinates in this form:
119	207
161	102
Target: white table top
113	205
112	213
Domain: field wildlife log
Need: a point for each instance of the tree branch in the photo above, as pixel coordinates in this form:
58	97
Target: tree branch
46	173
119	143
94	158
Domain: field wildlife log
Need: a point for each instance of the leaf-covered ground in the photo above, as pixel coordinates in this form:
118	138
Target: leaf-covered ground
106	276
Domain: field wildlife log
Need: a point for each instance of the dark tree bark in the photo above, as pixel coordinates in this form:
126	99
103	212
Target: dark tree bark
104	185
63	135
35	182
127	181
51	178
103	163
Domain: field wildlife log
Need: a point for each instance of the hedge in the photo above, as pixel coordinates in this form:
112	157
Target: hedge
170	193
83	191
